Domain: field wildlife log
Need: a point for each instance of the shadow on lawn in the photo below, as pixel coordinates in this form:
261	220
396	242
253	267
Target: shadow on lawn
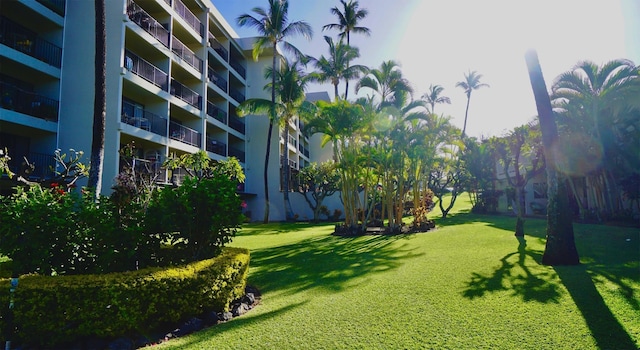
327	262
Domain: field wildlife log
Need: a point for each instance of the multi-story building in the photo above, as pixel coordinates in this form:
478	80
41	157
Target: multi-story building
176	73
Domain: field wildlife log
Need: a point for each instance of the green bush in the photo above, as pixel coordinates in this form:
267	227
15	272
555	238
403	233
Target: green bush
51	311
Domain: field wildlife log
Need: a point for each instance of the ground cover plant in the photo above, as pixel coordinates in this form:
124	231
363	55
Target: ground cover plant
469	284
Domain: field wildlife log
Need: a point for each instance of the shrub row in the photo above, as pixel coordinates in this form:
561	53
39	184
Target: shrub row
55	310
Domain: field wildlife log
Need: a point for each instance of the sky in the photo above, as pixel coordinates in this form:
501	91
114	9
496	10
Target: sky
439	41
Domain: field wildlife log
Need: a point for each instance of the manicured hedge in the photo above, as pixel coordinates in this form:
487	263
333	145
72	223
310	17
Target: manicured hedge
55	310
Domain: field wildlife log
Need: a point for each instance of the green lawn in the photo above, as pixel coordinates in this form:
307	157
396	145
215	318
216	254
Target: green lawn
469	284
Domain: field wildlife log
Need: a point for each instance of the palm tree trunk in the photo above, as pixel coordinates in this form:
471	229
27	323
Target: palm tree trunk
269	132
466	113
99	102
560	248
285	171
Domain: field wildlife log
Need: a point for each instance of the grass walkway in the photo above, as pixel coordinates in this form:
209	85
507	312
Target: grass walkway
469	284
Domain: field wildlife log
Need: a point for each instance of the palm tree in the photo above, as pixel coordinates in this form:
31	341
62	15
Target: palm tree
471	82
433	96
388	83
336	66
290	87
274	27
99	102
596	97
348	22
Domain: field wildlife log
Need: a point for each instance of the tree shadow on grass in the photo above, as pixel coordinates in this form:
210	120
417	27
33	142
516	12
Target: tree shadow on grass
327	262
515	276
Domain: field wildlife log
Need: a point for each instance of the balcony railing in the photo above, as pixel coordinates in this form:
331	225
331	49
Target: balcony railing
57	6
303	150
27	102
184	134
148	121
148	23
217	79
216	112
186	54
145	70
22	39
238	153
185	94
188	17
236	124
293	141
43	165
216	146
236	95
149	167
217	47
238	68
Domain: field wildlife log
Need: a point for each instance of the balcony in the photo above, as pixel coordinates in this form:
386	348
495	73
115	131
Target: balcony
238	68
43	165
144	20
145	70
186	54
293	141
146	121
236	95
216	113
22	39
27	102
188	17
217	79
217	47
238	153
185	94
216	146
184	134
237	124
57	6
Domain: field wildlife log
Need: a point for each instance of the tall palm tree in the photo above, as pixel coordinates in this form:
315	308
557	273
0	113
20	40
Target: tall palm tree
388	83
432	97
290	87
99	102
471	82
596	96
336	66
348	20
274	27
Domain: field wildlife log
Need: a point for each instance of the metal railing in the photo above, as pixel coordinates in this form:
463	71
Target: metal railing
24	40
293	141
216	146
236	94
44	165
238	68
27	102
145	70
217	47
144	20
148	121
185	94
188	17
236	124
150	167
238	153
184	134
217	79
57	6
216	112
186	54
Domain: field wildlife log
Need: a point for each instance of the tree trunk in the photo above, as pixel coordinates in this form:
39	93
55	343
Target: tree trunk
560	248
466	113
99	101
285	171
521	210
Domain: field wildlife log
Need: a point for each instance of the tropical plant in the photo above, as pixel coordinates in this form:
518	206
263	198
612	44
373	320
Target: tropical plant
432	97
274	27
470	83
317	182
348	20
388	84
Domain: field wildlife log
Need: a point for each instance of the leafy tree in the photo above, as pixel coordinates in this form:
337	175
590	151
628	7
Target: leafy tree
348	20
470	83
560	248
432	97
480	161
317	182
388	84
274	27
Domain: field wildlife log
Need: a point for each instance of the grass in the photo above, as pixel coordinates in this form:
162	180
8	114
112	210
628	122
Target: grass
469	284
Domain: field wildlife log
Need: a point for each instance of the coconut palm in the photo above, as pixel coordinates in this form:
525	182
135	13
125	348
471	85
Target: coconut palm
274	27
348	20
336	66
432	97
388	84
290	87
471	82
